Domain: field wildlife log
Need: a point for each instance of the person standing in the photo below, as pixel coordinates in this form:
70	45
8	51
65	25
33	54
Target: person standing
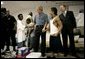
40	20
69	23
55	27
20	31
11	29
30	27
3	29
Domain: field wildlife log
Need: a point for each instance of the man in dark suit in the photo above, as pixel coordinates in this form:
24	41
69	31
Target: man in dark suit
11	30
69	23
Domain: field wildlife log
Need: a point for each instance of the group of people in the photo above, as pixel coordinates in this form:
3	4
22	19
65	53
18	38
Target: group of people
33	29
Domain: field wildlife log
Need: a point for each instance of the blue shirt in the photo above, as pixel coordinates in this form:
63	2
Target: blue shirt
41	19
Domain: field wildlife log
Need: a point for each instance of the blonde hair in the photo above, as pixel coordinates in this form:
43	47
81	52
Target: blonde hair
40	8
64	5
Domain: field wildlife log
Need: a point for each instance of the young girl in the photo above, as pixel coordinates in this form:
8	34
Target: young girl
55	27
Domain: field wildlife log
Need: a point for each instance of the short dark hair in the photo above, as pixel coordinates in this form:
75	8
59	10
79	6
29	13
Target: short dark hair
54	9
28	20
19	15
31	14
3	10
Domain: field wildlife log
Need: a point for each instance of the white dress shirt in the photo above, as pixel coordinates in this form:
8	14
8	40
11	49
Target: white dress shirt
64	13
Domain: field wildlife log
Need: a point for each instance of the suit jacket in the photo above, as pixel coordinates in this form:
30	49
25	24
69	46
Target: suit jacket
11	22
68	21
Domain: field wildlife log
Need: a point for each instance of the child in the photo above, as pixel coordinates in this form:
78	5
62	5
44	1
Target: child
30	28
20	31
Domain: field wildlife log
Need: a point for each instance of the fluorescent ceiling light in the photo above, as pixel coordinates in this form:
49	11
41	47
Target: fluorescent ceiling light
1	2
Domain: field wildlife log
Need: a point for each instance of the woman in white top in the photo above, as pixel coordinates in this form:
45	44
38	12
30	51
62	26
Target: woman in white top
55	27
20	31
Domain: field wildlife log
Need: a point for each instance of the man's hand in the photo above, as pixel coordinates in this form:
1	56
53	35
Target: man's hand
43	30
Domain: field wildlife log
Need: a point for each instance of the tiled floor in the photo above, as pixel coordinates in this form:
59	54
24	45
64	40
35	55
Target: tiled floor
79	47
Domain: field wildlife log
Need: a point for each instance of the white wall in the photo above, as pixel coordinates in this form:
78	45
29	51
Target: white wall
25	7
25	11
76	8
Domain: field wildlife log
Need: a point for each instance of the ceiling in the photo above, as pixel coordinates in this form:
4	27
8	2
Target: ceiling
32	4
16	6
